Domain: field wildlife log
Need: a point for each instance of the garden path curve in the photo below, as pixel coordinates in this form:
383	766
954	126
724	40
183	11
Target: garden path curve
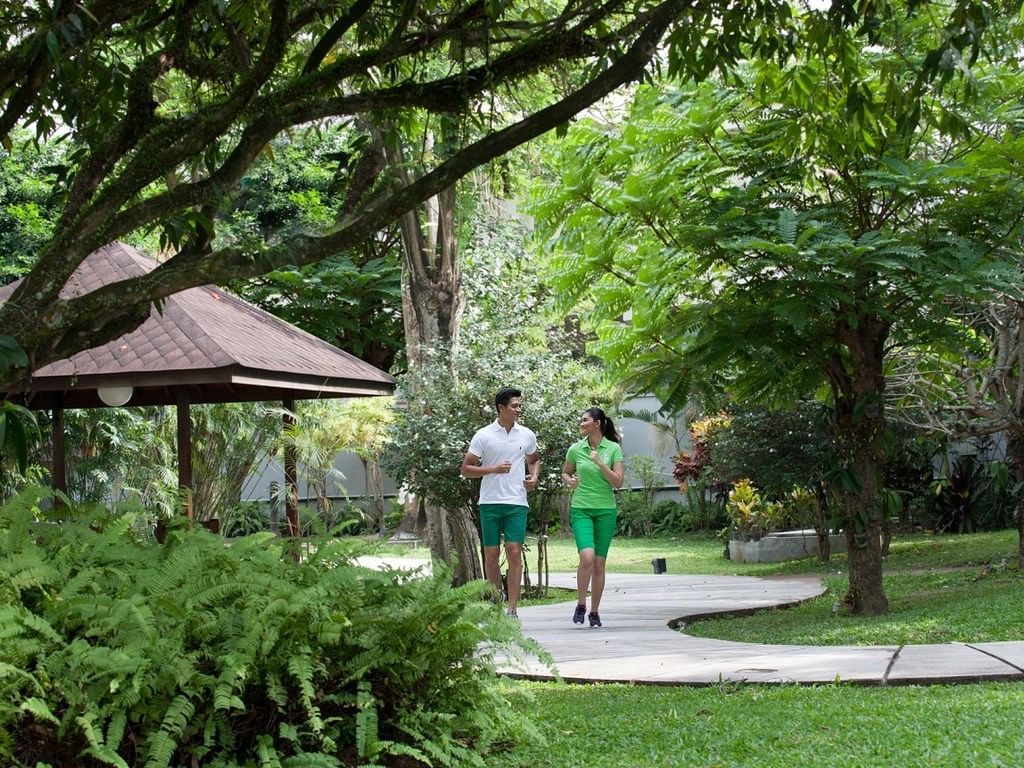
638	643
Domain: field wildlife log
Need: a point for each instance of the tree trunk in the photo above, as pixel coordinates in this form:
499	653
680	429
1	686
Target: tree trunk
859	386
862	524
375	495
451	534
1019	515
544	504
431	311
824	545
821	527
886	536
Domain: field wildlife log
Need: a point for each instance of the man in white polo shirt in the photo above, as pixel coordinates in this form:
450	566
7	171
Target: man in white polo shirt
504	455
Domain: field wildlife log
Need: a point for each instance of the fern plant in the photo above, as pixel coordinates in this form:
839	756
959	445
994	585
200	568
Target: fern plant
120	652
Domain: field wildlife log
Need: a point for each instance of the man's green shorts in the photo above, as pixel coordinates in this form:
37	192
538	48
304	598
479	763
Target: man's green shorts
498	519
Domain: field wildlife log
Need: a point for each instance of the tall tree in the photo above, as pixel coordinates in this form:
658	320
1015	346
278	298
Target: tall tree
778	234
451	394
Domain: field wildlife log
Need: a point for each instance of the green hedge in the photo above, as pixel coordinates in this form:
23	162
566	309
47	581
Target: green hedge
117	651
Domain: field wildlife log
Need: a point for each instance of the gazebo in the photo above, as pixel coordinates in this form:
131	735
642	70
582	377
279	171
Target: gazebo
203	346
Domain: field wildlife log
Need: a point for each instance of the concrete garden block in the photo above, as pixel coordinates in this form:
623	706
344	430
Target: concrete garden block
780	546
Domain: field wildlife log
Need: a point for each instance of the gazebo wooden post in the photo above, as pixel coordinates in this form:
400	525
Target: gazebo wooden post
58	468
291	475
185	450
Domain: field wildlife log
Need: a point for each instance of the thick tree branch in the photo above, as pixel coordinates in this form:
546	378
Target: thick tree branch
186	270
343	24
28	60
449	94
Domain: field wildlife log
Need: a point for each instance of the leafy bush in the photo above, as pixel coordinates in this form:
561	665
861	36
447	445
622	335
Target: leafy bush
691	465
245	518
748	512
972	495
634	518
639	514
705	502
909	455
638	518
119	652
775	450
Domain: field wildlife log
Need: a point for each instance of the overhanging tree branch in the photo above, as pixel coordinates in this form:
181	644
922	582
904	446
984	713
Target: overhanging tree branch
186	270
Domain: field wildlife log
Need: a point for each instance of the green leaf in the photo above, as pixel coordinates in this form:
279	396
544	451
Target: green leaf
11	354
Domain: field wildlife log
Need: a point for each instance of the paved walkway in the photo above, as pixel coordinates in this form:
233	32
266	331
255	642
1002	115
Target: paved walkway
637	643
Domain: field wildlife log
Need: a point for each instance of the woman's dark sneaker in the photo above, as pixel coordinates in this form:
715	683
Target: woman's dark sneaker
595	619
577	617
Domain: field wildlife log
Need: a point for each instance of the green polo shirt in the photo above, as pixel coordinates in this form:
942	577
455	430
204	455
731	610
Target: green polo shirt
594	490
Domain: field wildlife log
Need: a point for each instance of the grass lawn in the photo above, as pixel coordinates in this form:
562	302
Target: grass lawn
693	553
941	588
623	726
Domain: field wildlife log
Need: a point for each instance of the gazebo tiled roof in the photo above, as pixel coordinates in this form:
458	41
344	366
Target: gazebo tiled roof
218	347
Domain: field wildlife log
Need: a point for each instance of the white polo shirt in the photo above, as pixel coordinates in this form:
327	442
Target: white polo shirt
494	445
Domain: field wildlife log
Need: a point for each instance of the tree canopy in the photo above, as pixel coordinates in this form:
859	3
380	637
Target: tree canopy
165	104
777	233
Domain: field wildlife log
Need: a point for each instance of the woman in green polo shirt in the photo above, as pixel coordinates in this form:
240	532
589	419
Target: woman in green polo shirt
593	469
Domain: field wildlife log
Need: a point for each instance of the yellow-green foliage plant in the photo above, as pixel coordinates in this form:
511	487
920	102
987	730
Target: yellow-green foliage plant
118	651
746	510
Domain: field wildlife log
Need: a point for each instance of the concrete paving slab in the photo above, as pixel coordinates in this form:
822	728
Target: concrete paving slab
1011	652
798	664
948	662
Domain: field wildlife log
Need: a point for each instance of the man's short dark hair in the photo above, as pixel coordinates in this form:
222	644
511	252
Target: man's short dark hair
505	394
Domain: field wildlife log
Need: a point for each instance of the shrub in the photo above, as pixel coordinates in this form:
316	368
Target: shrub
672	517
705	502
747	511
692	465
118	651
245	518
634	518
639	518
972	495
775	450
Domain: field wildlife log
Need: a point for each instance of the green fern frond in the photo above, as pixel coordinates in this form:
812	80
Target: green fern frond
26	570
300	665
36	707
367	734
267	753
97	746
16	619
311	760
786	225
161	750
